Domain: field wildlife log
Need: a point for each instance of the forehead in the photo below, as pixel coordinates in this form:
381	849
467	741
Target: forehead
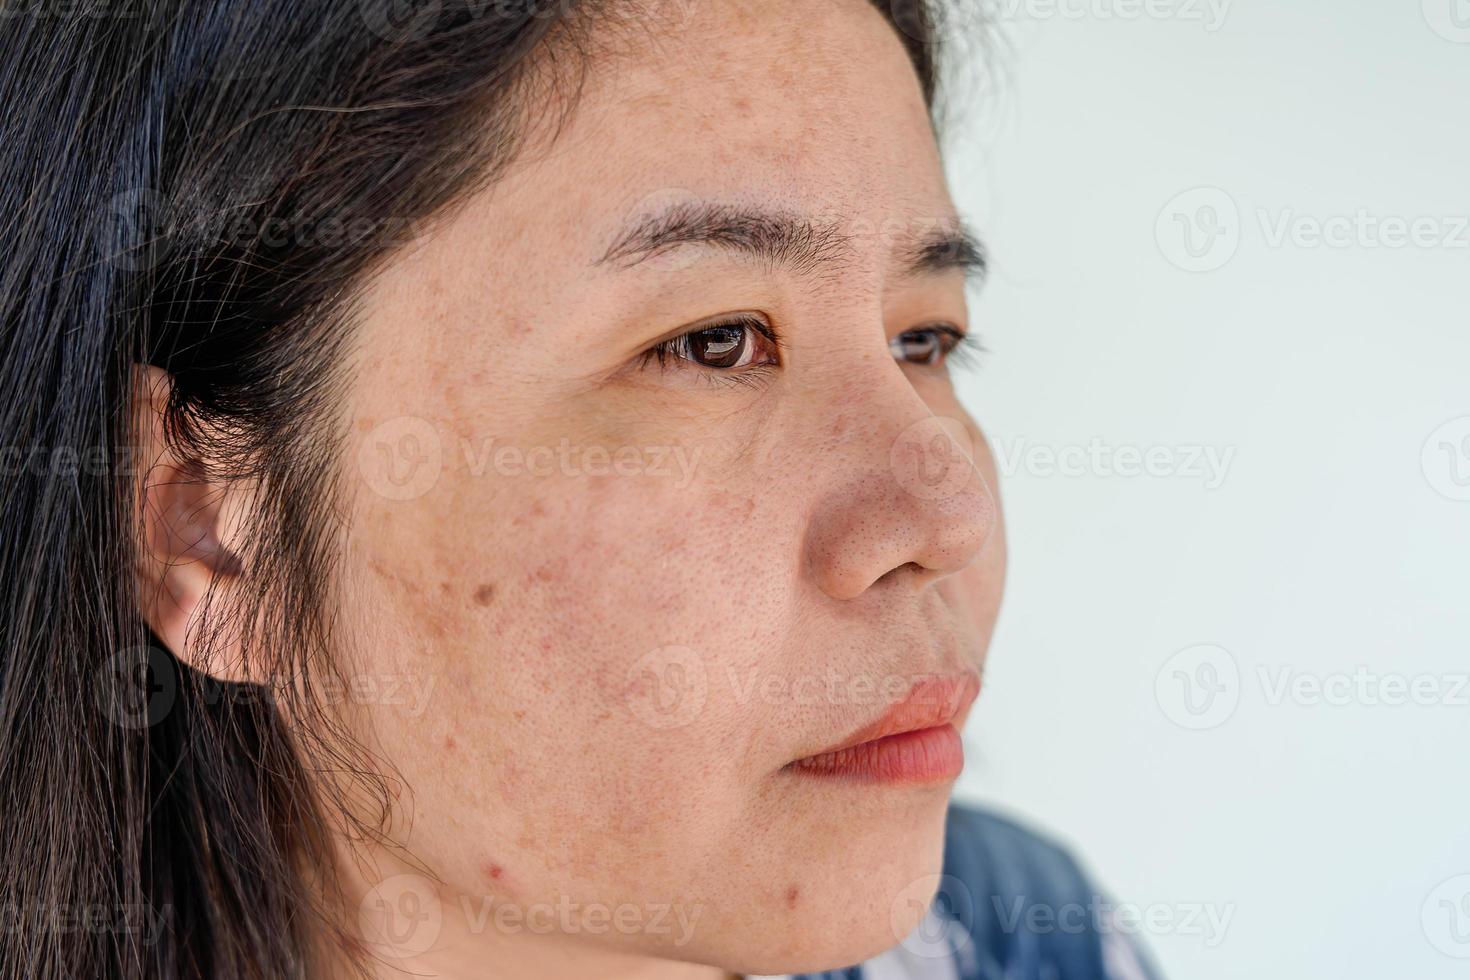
808	109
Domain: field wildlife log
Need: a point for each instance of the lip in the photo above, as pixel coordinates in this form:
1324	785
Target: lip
914	741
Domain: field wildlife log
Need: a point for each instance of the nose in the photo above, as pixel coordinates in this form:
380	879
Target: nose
907	503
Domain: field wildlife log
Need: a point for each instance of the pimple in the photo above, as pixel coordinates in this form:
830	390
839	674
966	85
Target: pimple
493	872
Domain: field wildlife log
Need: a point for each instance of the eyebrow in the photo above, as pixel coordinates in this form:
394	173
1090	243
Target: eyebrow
797	242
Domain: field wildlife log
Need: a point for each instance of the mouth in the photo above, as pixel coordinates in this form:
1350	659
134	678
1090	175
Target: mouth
915	741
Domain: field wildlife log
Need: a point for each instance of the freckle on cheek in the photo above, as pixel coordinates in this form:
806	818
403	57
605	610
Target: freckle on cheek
485	594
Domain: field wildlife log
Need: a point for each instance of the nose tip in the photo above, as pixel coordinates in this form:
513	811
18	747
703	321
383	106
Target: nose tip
928	516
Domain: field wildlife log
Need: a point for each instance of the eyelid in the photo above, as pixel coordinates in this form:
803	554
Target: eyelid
744	318
957	343
661	350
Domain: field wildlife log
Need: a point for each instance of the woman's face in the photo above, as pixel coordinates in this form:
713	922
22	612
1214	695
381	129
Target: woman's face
599	600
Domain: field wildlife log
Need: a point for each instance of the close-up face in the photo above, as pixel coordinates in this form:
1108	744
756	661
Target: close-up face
488	488
661	498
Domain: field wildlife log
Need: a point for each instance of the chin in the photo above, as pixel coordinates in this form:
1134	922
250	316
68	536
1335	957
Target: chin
873	884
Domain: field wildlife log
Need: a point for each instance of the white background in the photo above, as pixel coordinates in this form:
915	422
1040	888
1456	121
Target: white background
1329	827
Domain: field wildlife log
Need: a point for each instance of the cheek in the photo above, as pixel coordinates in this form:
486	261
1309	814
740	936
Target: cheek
582	630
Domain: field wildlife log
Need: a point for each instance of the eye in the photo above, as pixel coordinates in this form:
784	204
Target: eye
932	344
735	344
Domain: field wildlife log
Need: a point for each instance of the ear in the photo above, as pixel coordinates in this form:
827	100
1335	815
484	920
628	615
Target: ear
186	529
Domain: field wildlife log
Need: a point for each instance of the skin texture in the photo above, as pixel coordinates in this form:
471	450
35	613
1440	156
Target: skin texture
585	681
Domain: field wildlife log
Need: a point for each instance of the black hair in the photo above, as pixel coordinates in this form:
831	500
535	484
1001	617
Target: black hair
201	185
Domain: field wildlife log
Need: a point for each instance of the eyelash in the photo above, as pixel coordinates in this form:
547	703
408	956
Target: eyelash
679	349
956	347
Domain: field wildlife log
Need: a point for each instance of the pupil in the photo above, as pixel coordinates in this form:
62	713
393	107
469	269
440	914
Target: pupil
719	346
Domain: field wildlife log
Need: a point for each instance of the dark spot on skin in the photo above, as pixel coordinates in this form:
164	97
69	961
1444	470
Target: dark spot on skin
792	894
485	594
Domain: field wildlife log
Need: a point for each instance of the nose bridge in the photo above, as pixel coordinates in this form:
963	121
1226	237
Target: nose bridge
901	490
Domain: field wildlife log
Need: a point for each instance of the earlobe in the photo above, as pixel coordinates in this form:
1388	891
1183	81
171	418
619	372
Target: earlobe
182	532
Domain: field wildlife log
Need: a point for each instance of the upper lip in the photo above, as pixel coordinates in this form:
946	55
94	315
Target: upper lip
932	701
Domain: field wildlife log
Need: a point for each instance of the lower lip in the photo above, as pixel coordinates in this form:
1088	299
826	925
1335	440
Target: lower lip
930	755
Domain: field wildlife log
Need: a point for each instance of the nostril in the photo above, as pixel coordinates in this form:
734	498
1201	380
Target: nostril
901	571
